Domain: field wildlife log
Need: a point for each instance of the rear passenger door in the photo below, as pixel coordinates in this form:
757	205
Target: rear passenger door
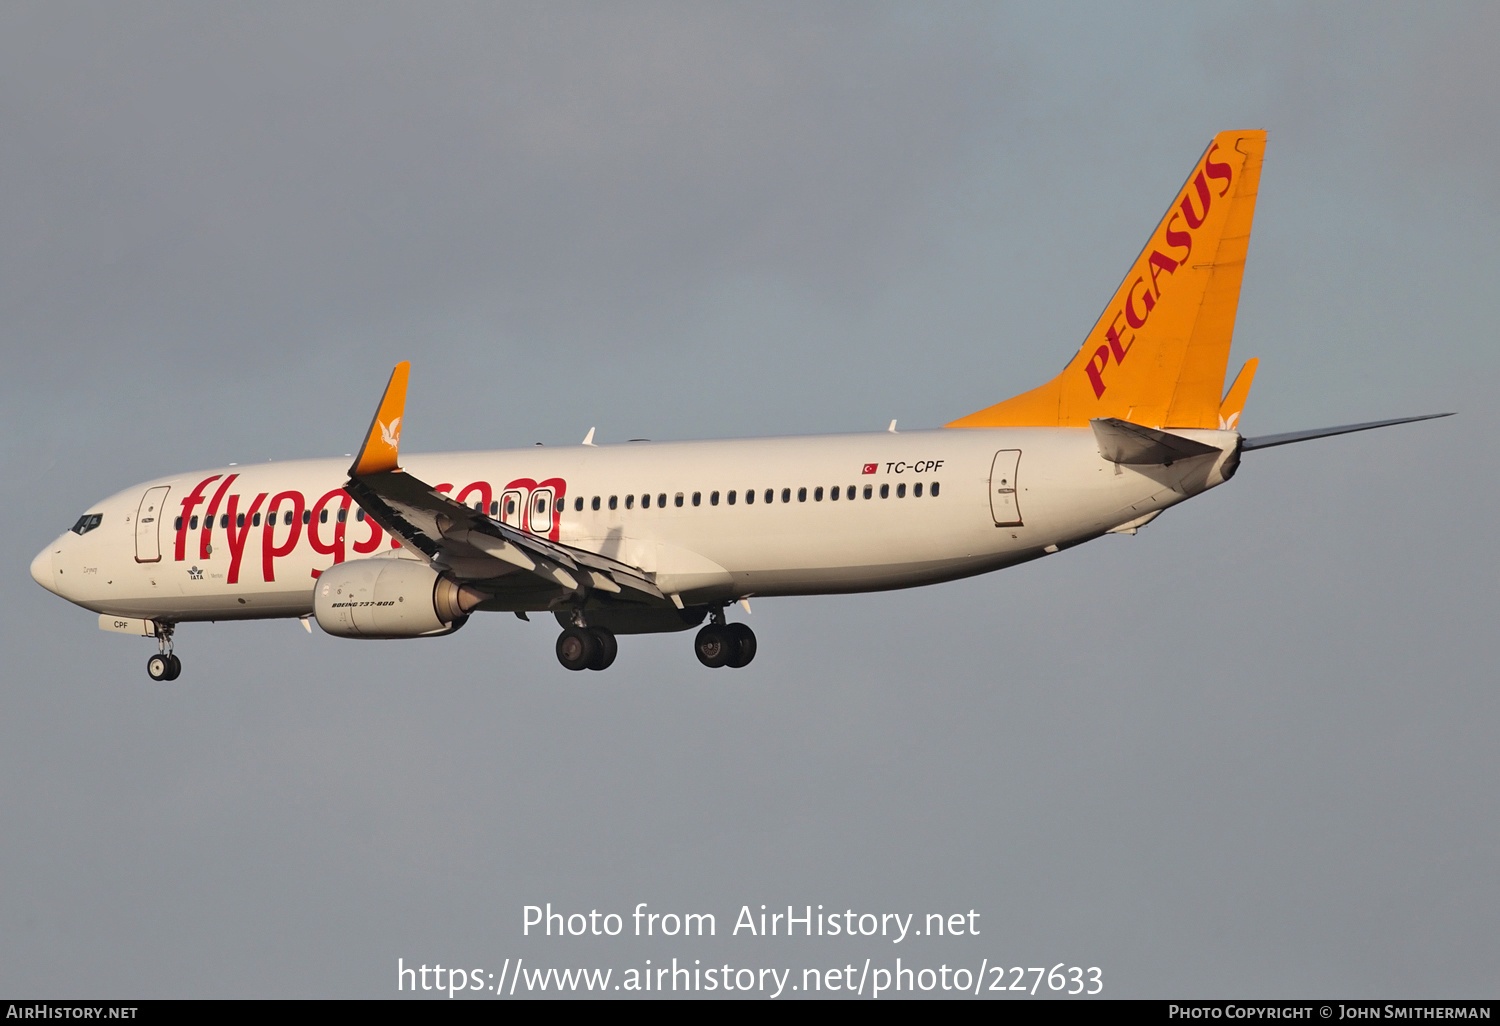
1004	502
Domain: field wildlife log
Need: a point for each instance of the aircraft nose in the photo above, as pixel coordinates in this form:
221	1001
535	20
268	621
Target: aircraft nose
41	569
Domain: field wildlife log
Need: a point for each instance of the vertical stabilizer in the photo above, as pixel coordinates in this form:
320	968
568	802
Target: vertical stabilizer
1158	354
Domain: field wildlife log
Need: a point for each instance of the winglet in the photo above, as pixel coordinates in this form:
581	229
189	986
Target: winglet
1234	400
384	437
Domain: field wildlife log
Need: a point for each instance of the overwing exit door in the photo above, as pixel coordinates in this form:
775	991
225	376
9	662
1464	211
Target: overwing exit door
148	525
1003	494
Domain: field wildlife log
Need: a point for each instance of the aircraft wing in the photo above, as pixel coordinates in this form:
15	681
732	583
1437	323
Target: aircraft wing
463	542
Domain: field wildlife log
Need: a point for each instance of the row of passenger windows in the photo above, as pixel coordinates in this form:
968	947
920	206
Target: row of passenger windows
731	497
769	495
286	518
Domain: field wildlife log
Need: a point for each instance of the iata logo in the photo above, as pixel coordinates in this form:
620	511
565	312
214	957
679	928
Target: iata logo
195	574
1142	296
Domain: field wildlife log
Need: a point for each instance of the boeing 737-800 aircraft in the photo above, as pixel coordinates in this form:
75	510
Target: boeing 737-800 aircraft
642	537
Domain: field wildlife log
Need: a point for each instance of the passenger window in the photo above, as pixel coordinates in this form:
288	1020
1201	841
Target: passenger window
307	516
713	499
343	514
916	490
510	507
287	520
678	500
193	523
359	515
750	496
578	504
255	520
614	502
885	491
697	498
770	495
322	516
801	494
786	495
868	491
730	497
934	489
817	494
833	493
495	508
661	501
630	502
177	524
901	490
850	496
594	503
224	519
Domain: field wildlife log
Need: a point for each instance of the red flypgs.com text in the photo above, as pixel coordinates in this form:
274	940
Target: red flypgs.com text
286	519
1141	297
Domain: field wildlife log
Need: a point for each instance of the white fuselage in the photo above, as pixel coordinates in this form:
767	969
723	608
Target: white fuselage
927	506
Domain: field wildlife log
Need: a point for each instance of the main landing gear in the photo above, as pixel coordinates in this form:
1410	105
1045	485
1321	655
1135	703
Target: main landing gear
725	644
164	665
587	648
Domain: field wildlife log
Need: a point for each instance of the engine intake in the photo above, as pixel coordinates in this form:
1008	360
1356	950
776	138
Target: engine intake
391	598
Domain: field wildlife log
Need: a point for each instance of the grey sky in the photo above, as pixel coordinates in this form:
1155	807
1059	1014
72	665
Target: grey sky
1247	752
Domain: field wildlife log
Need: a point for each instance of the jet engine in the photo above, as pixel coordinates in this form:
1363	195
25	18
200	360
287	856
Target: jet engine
391	598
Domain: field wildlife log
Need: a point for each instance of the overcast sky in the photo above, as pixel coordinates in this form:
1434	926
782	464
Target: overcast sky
1248	752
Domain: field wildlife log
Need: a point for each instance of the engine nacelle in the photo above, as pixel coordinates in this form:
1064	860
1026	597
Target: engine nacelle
390	598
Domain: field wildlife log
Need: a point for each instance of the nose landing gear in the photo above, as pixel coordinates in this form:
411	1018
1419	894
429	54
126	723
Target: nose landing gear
164	665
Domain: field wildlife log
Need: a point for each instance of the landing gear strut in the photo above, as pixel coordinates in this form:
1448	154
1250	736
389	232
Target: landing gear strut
586	648
164	665
725	644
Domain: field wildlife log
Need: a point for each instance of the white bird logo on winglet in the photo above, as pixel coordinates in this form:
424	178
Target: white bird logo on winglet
391	435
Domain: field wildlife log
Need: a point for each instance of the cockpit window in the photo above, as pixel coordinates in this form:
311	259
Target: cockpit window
87	523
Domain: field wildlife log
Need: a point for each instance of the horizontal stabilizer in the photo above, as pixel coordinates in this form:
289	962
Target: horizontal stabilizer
1266	441
1123	442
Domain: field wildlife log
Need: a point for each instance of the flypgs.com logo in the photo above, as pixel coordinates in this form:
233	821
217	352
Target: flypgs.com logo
1141	298
293	520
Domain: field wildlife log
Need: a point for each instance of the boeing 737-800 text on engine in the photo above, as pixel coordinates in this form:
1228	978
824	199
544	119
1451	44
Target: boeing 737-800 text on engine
639	538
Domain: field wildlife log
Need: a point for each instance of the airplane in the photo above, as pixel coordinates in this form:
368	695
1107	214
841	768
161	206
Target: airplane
644	537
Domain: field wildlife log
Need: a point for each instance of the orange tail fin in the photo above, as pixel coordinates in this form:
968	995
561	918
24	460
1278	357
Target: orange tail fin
1158	354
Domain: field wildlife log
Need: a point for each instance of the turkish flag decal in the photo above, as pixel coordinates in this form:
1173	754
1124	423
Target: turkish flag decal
870	468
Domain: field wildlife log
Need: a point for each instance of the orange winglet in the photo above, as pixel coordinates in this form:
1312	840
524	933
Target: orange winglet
1234	400
383	440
